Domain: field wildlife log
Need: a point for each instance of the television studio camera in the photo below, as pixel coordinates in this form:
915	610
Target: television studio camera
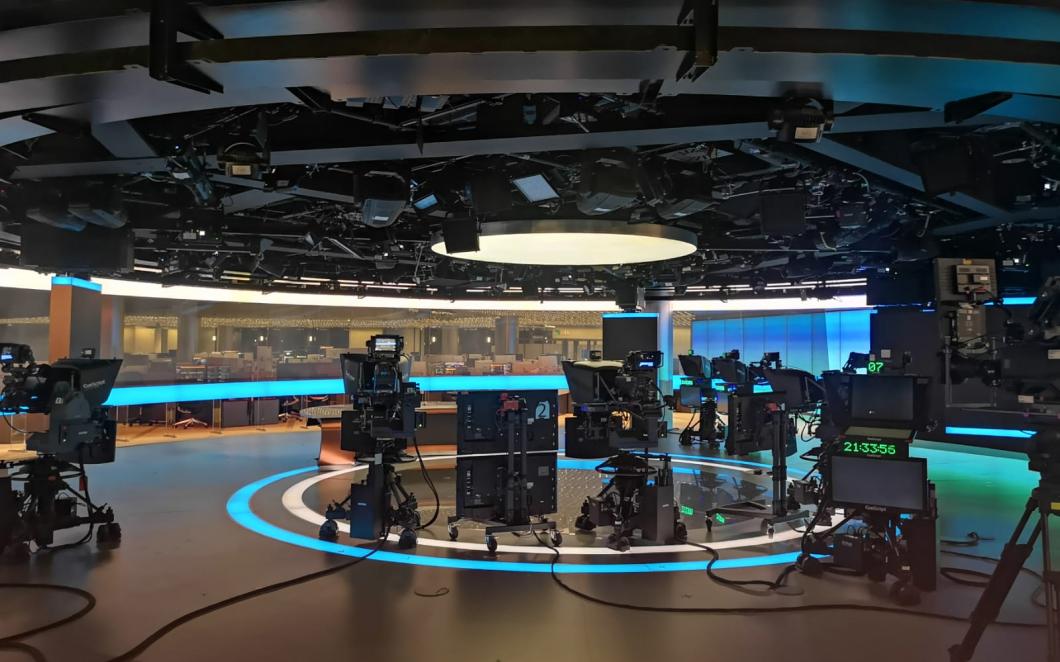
700	397
617	408
1021	367
71	392
380	420
866	425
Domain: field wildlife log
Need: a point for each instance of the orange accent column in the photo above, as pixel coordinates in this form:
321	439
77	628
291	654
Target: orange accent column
59	322
74	318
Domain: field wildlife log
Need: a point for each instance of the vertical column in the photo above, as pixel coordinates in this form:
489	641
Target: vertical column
187	334
227	339
506	335
112	328
665	331
450	340
75	313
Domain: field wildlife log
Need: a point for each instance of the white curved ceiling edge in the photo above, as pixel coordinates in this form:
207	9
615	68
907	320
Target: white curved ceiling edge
30	280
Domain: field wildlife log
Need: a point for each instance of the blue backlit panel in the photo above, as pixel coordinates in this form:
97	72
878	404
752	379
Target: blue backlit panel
810	341
146	395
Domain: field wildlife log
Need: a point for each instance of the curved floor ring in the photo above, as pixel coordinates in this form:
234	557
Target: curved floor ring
239	510
294	502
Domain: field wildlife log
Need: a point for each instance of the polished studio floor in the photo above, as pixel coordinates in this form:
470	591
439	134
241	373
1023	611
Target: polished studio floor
182	550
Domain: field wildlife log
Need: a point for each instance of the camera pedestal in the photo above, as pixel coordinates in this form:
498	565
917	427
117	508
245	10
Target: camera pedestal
55	505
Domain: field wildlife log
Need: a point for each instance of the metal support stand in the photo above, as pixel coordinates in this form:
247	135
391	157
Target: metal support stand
777	512
1043	500
706	431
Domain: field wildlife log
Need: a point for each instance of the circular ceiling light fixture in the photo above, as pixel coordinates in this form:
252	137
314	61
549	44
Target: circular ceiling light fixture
577	242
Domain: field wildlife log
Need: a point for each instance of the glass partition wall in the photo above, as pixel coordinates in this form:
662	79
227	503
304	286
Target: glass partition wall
165	341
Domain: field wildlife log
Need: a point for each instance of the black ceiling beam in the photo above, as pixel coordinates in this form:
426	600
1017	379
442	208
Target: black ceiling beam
292	191
989	215
569	140
531	39
122	140
863	161
1032	216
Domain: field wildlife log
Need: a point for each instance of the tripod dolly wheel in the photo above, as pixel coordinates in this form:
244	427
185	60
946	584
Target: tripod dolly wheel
618	543
108	535
16	552
680	532
329	531
454	532
905	594
556	537
407	539
491	544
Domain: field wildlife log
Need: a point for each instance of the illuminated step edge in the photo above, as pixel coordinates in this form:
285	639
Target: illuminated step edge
990	432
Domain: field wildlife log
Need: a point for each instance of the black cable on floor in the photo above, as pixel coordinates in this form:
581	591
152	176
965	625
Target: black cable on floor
90	604
138	649
778	583
31	651
745	611
971	540
955	576
430	484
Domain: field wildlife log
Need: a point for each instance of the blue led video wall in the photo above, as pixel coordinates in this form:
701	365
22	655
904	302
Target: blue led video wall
809	341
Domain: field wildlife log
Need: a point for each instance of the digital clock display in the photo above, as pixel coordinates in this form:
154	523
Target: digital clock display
869	448
875	367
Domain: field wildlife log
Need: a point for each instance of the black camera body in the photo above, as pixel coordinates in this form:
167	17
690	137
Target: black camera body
36	499
383	401
616	405
72	393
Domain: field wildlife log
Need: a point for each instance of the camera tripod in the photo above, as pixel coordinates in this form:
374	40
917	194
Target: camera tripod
46	504
1045	501
709	430
376	505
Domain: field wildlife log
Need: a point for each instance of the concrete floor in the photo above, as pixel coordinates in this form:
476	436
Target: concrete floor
181	551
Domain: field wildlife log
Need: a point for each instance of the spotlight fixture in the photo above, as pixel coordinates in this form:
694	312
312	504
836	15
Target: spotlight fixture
459	235
576	242
426	202
535	188
690	193
490	193
801	120
629	297
606	188
384	196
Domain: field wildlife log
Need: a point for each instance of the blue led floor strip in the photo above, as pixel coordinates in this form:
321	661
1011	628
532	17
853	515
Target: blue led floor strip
990	432
239	510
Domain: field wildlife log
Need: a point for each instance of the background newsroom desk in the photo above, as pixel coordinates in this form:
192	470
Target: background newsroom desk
439	431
